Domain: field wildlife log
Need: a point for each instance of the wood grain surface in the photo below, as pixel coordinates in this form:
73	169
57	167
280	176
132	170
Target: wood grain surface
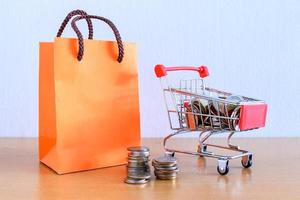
275	174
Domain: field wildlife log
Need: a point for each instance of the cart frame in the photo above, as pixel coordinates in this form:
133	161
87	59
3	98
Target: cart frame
214	121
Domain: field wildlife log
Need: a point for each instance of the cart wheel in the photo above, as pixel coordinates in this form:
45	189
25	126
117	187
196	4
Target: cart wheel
247	161
223	167
202	149
172	154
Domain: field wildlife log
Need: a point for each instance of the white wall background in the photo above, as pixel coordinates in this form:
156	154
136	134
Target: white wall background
250	46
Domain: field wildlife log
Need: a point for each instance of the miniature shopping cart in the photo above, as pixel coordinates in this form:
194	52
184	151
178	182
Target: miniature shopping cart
194	107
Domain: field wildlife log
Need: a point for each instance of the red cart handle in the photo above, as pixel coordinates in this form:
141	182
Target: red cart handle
161	70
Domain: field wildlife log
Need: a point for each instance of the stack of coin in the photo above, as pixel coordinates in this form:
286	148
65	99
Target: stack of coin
165	167
138	170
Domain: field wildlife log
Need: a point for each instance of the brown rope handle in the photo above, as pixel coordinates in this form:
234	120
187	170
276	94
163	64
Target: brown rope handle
80	38
69	16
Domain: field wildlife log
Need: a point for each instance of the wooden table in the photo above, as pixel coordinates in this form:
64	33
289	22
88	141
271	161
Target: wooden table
275	174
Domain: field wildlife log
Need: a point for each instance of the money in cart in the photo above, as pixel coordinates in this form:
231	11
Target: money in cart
194	107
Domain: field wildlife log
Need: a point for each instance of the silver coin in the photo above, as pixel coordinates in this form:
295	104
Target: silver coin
159	165
138	154
141	171
163	165
131	166
166	176
135	157
136	165
164	171
138	160
135	181
139	149
165	160
144	168
139	175
138	157
235	98
235	114
138	172
164	168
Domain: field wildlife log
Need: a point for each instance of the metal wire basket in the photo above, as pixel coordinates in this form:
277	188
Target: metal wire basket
195	107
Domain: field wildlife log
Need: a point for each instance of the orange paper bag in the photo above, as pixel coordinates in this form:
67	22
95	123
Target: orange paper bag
88	100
